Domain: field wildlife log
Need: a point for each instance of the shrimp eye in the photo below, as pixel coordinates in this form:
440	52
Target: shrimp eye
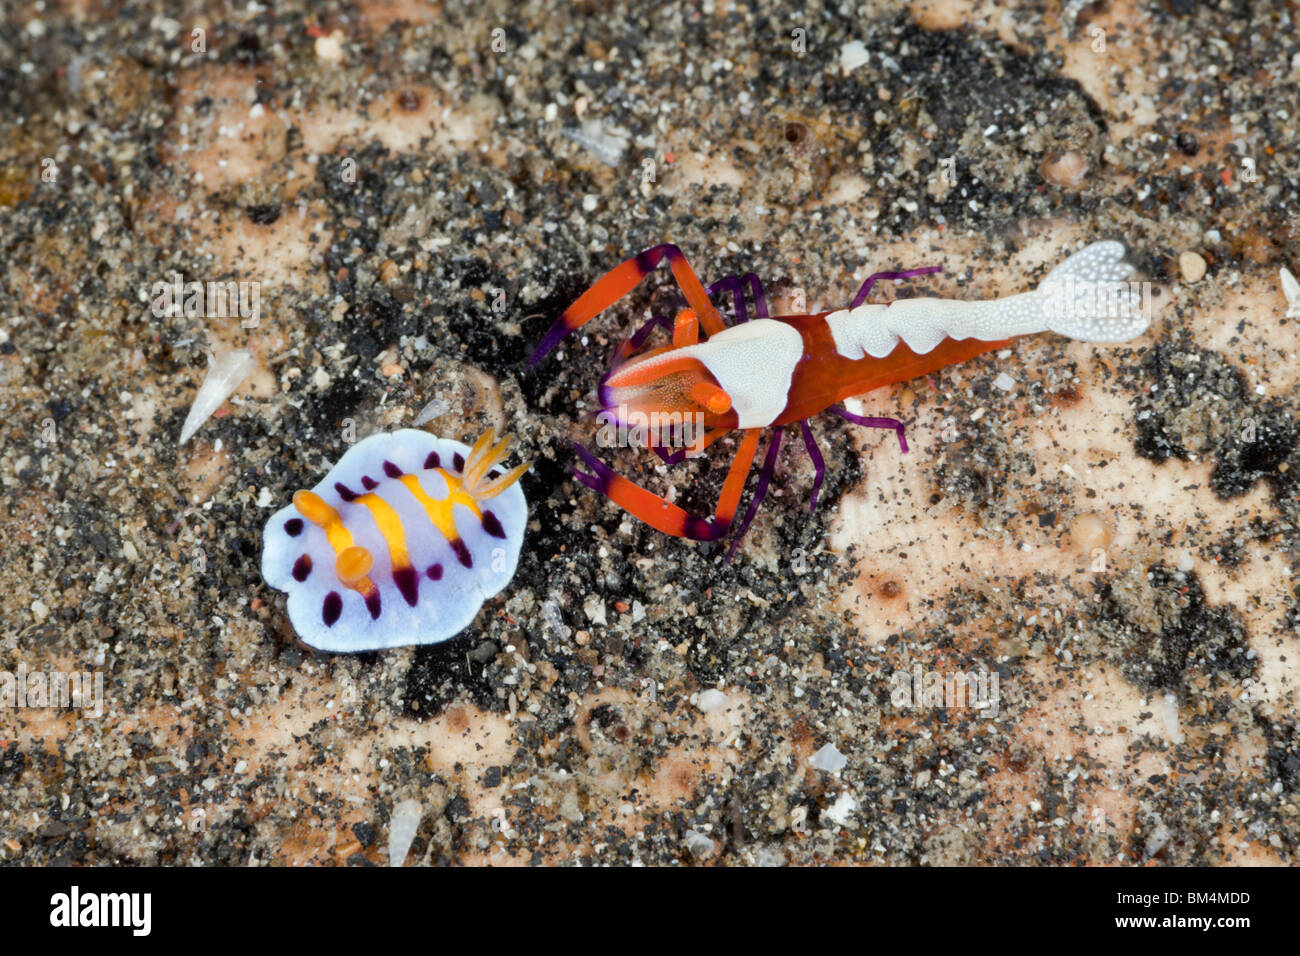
712	397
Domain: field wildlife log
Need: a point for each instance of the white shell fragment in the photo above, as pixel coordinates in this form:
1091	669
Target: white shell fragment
828	759
711	701
224	375
842	809
606	143
434	409
853	55
1291	289
402	827
400	543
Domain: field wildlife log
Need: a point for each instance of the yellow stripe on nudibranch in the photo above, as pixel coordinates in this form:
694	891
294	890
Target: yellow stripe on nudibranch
314	508
390	526
440	511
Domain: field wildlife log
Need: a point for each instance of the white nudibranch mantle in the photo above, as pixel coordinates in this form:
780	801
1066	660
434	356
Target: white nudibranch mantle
400	543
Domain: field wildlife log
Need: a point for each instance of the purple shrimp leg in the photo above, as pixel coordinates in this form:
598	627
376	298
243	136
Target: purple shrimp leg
893	423
671	458
818	462
624	349
760	492
601	474
871	280
628	346
736	284
621	354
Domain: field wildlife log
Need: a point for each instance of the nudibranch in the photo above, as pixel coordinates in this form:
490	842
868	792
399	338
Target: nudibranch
400	543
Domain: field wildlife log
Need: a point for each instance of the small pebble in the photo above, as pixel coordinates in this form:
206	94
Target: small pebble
711	701
939	15
698	844
330	48
1067	169
840	811
1192	266
1089	531
853	55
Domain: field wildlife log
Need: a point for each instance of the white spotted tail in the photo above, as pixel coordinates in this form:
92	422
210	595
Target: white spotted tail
1084	298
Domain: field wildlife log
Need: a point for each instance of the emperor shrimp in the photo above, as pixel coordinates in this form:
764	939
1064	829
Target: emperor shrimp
772	371
400	543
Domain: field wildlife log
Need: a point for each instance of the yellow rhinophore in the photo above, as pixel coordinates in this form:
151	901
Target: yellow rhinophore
314	508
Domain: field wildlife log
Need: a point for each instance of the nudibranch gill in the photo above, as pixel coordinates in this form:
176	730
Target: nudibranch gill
400	543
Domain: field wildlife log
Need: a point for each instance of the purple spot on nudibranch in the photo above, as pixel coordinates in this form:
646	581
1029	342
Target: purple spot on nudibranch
369	483
302	568
462	553
293	527
407	583
372	603
458	461
391	470
434	571
332	609
346	493
433	461
492	525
